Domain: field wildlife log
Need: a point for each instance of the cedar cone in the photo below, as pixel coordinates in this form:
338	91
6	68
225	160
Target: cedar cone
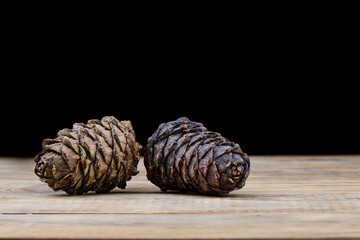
97	156
183	155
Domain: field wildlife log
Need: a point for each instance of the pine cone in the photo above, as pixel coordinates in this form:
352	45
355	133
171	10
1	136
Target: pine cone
97	156
184	155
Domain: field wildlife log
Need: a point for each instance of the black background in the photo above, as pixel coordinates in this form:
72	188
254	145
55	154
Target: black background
277	86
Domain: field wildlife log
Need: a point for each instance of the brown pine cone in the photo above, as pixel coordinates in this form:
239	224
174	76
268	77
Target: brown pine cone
184	155
97	156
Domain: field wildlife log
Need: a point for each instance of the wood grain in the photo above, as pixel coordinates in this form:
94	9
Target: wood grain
284	197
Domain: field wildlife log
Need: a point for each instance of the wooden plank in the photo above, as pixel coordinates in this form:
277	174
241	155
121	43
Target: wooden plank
181	226
285	197
275	185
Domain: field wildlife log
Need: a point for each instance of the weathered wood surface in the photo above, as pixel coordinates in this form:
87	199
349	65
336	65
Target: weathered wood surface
284	197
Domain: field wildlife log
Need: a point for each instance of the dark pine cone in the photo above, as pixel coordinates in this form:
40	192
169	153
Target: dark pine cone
184	155
97	156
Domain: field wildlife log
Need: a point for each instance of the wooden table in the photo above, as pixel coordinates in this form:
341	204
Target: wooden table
285	197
